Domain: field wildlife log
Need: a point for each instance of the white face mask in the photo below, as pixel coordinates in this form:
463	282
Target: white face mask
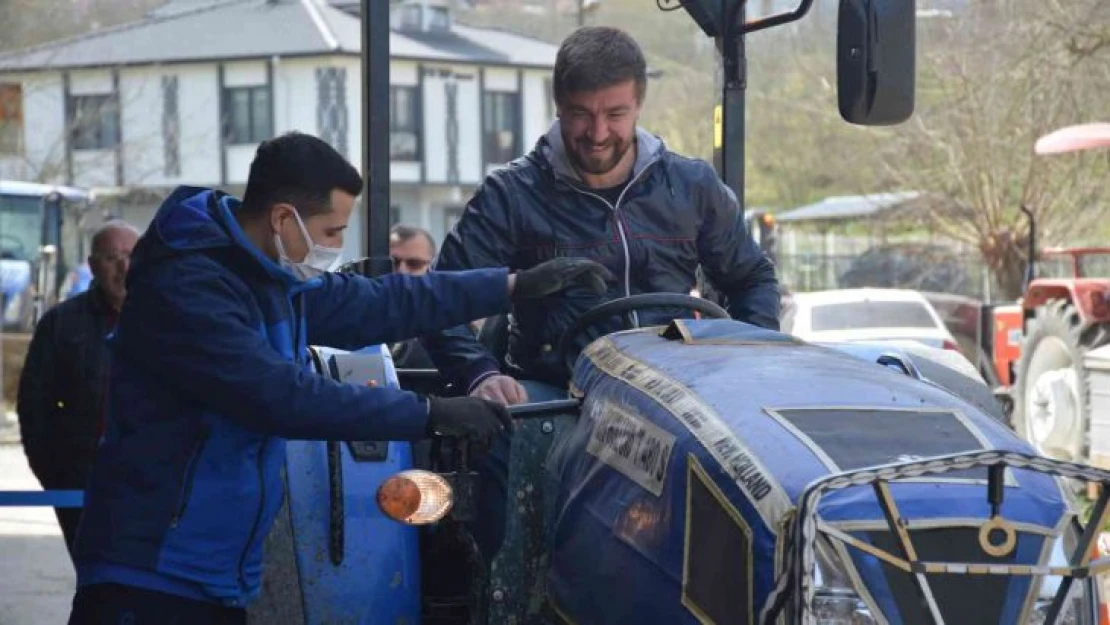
319	259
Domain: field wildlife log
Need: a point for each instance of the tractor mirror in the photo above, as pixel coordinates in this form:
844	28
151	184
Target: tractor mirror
875	61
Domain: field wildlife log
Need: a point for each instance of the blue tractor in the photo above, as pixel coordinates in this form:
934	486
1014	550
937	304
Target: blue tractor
706	471
703	472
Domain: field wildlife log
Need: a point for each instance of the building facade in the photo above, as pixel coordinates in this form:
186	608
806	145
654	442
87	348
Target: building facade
185	96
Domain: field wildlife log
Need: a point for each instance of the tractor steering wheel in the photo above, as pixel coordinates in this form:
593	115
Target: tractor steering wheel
624	306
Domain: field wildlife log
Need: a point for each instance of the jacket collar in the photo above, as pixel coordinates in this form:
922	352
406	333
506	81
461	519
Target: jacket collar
552	152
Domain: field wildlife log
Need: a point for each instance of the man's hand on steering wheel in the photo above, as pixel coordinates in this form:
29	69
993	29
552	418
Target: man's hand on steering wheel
501	389
547	278
559	274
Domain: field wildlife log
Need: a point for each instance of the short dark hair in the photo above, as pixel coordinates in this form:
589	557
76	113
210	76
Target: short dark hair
299	169
404	233
595	57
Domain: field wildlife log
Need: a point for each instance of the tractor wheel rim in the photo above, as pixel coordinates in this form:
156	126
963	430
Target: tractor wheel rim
1052	402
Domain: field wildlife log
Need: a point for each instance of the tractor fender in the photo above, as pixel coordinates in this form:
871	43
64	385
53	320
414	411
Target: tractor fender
1097	364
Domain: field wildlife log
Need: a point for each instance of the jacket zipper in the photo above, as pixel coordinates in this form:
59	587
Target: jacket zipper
190	475
257	513
294	303
621	231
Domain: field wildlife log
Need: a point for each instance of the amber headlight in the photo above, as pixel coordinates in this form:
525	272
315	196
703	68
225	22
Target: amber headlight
415	497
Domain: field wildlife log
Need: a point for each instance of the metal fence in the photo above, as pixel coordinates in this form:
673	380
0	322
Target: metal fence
924	270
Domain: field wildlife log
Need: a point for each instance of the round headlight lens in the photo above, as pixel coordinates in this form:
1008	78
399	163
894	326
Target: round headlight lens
415	497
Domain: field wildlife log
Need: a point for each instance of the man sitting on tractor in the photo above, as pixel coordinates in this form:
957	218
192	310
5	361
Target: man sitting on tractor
599	187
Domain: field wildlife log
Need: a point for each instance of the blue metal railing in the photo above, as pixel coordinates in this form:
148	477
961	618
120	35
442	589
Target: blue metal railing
42	498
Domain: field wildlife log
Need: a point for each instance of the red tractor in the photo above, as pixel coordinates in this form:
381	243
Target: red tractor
1040	346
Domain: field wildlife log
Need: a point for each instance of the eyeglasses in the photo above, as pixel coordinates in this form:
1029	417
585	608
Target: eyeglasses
112	257
412	264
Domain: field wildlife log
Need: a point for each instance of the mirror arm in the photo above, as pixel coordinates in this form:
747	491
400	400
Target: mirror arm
779	18
731	46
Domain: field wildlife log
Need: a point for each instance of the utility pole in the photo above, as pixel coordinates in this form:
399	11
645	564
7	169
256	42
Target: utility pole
375	123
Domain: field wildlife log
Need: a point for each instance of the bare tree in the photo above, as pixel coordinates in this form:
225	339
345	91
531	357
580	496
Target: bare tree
991	82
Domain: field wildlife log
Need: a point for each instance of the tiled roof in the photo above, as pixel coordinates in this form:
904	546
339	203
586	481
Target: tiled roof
211	30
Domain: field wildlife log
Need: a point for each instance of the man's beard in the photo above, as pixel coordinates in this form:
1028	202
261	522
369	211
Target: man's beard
596	165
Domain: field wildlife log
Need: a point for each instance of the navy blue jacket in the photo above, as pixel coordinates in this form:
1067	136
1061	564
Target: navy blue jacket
210	375
674	216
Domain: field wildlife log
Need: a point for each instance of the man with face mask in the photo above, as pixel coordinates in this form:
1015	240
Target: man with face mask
210	375
596	186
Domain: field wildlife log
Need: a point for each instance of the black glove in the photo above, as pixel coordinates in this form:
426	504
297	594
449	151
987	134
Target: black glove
560	274
476	419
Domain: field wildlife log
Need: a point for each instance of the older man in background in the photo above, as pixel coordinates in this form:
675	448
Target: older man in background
61	388
412	250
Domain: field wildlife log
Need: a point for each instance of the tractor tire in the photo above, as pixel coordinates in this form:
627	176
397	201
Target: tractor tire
1052	390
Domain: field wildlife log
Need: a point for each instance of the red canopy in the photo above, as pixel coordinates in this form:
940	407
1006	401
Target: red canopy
1074	138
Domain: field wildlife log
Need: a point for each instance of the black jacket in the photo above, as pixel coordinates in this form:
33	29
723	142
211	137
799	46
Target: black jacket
675	215
61	390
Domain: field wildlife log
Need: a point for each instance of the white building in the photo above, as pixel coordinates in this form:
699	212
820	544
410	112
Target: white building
185	95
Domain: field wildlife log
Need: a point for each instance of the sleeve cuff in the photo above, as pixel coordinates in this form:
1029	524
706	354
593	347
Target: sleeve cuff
482	375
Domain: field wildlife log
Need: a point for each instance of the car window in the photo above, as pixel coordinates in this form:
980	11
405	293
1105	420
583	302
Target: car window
859	315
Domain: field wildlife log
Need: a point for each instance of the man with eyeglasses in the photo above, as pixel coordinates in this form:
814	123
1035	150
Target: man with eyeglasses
61	388
411	249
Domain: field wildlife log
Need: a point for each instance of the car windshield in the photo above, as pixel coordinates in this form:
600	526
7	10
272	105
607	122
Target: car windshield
871	314
20	226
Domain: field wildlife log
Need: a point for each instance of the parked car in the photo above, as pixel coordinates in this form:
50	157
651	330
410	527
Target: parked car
870	315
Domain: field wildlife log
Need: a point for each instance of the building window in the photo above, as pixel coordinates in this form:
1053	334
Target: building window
439	18
11	118
394	215
95	121
404	144
501	111
451	216
411	17
171	127
331	106
249	115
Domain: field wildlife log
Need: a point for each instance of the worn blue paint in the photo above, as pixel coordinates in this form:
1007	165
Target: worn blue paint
378	579
617	549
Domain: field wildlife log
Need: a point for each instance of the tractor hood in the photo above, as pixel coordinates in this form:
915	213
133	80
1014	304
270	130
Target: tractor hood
699	439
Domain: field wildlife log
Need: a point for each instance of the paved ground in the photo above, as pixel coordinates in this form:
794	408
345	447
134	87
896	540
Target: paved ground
36	578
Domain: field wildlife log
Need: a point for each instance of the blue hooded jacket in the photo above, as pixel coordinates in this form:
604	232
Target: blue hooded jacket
210	376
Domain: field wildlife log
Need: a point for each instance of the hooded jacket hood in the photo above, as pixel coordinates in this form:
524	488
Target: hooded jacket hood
196	218
551	153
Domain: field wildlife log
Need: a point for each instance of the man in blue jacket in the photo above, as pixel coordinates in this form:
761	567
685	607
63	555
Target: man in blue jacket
209	376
